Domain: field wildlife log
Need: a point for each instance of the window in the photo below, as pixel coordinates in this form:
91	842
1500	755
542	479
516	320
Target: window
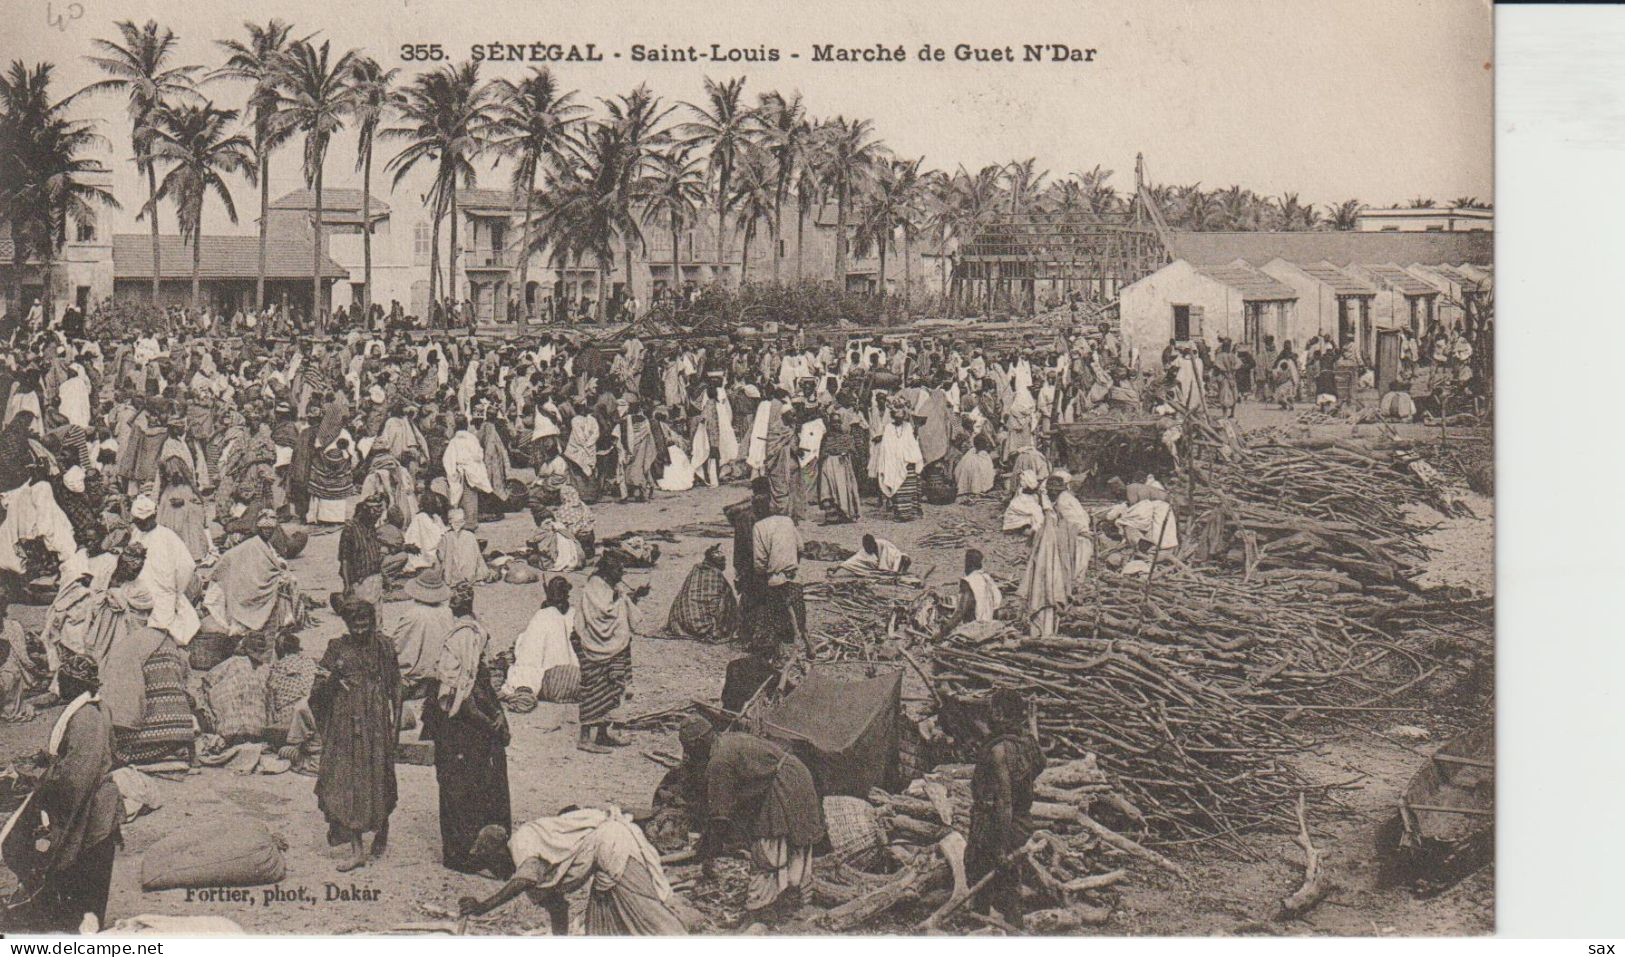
1182	322
1434	229
421	235
85	233
1390	229
781	249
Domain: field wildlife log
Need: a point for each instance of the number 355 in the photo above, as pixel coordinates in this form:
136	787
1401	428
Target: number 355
422	51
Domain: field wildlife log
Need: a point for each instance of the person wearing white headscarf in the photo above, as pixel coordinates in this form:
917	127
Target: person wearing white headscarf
601	850
73	397
466	475
167	573
1024	513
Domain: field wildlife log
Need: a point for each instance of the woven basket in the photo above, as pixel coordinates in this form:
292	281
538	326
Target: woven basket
206	651
855	834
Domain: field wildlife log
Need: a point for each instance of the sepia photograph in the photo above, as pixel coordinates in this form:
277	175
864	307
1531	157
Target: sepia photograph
526	469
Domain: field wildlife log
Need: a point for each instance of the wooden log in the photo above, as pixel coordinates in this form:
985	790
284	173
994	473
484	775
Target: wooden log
1316	886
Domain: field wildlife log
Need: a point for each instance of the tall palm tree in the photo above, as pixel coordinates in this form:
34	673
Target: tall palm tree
531	126
372	97
446	116
638	119
722	127
584	215
1024	181
754	199
810	191
194	141
258	61
849	159
140	69
888	209
674	197
43	170
316	95
783	130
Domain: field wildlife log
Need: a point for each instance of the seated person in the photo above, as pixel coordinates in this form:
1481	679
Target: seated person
250	588
545	667
459	553
706	607
234	691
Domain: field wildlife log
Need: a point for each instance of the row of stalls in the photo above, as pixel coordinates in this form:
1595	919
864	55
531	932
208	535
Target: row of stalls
1265	307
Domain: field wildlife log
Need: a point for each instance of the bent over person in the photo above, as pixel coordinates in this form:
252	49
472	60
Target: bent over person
602	850
759	790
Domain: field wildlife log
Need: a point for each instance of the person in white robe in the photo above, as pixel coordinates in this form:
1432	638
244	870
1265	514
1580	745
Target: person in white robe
73	397
466	475
897	450
167	573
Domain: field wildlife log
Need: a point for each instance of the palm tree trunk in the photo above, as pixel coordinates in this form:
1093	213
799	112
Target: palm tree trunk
434	270
366	236
676	271
840	239
603	285
884	319
744	253
908	247
197	261
801	229
524	246
152	207
316	259
722	222
451	253
778	217
626	258
265	217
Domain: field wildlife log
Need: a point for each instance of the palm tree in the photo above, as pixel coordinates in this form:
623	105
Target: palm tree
531	126
1344	215
1422	202
372	97
849	159
447	120
810	189
637	118
42	171
139	68
784	132
1023	183
1099	196
754	199
888	210
676	192
193	139
316	95
584	214
259	61
1467	202
722	127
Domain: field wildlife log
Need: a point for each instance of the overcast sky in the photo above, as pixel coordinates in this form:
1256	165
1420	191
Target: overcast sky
1379	100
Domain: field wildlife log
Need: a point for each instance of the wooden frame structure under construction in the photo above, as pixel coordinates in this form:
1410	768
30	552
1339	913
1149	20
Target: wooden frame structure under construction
1013	255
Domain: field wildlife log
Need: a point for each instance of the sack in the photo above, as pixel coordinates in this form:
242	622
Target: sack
238	852
519	573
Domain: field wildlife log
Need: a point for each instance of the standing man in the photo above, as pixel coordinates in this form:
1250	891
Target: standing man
1007	766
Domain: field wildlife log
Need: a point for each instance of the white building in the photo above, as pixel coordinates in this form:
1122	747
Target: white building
1432	219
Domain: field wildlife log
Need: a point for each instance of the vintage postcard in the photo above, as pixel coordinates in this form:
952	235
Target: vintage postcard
526	468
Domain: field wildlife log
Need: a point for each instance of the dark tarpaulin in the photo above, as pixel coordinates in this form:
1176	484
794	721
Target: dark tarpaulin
842	725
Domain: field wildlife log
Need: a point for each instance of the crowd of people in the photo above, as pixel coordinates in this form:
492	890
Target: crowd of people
154	491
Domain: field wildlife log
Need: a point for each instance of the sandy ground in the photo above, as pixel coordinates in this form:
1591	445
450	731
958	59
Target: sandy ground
546	772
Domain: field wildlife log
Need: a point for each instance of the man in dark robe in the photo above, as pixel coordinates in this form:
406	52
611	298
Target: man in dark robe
1007	767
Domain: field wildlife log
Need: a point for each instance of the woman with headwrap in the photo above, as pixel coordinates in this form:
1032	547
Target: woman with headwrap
897	462
640	450
1024	513
332	470
145	688
1051	571
464	719
361	567
1020	418
603	632
467	479
76	808
581	452
497	464
355	701
837	482
781	462
181	510
545	666
389	481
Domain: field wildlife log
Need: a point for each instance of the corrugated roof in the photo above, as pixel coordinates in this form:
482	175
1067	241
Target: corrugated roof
1250	282
1453	274
223	257
1338	247
498	199
334	200
1393	277
1341	282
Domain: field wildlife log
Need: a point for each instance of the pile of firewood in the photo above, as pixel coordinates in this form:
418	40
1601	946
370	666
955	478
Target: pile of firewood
1072	859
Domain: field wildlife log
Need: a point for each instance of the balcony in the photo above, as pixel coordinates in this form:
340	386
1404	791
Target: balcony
489	259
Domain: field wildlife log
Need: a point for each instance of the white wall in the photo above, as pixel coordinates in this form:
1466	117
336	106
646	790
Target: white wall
1146	307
